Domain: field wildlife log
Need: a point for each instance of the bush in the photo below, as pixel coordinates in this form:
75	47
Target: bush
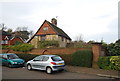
66	58
115	62
27	57
7	47
45	44
22	47
109	62
112	49
18	42
104	62
82	58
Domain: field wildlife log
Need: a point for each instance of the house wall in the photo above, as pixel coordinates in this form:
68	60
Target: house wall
14	40
62	43
34	41
52	37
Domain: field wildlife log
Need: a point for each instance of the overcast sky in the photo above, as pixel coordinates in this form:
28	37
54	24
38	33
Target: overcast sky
93	19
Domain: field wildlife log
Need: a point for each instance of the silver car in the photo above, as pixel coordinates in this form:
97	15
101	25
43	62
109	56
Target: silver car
49	63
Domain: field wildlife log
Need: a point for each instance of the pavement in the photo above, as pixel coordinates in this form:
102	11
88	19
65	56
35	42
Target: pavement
99	72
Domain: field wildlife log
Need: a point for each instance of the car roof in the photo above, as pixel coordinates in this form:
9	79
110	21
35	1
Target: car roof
49	55
6	53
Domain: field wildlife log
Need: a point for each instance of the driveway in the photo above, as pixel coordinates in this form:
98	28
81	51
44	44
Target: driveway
23	73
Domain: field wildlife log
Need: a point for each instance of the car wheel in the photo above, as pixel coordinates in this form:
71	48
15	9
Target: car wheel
10	65
29	67
49	70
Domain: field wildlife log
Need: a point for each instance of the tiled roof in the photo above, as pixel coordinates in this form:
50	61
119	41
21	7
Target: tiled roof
59	31
4	33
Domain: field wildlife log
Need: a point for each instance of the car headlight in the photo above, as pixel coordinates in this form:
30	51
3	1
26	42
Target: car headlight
14	62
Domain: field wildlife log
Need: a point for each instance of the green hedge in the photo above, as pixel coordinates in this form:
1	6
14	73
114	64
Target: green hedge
82	58
27	57
109	62
67	58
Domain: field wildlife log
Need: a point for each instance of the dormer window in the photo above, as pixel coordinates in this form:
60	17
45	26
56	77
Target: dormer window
45	28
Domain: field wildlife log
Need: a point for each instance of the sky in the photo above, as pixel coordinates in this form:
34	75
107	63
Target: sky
92	19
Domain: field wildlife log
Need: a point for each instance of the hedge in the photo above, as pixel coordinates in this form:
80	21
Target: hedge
109	62
82	58
66	58
27	57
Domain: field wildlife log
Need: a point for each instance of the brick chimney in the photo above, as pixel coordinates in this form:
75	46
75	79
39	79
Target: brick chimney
54	21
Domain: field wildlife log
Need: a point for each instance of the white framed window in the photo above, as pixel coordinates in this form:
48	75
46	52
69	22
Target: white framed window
45	28
6	41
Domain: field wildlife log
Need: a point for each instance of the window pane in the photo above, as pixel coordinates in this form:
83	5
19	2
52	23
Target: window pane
45	58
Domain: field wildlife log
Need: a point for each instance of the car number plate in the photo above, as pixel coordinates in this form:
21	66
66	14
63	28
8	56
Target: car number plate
60	63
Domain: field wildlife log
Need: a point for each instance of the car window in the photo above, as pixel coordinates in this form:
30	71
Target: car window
12	56
4	56
56	58
1	55
45	58
38	58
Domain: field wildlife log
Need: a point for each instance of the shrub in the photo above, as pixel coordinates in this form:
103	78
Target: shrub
23	47
82	58
115	62
7	47
109	62
66	58
18	42
27	57
112	49
104	62
45	44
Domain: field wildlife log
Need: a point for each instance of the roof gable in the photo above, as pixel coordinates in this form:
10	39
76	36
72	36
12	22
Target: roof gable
49	30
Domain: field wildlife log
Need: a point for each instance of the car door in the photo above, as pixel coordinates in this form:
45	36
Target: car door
36	62
4	59
44	63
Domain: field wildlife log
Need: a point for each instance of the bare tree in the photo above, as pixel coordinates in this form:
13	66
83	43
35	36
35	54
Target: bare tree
31	33
18	29
24	28
9	30
3	27
79	38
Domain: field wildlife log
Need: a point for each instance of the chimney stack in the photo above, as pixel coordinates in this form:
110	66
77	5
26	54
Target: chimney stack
54	21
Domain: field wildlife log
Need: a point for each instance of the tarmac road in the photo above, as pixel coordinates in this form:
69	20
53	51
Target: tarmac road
23	73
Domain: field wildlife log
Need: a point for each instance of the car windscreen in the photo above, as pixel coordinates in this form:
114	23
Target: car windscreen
56	58
12	56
